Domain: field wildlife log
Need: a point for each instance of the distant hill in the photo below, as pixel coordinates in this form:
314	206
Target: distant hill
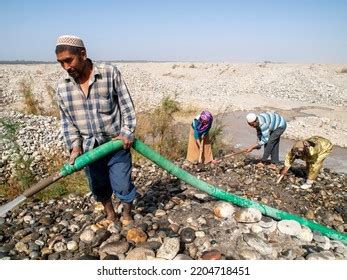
26	62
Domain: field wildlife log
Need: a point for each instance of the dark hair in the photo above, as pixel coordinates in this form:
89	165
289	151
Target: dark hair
72	49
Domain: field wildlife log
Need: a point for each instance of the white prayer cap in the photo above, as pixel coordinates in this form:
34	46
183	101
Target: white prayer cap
251	117
70	40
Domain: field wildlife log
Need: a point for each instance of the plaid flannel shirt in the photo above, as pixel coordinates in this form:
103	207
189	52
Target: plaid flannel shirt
106	112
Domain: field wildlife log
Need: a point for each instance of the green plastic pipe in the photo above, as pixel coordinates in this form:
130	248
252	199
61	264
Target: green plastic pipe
152	155
91	156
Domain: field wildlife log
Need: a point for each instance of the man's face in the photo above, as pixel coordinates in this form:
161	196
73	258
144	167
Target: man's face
299	152
74	64
254	124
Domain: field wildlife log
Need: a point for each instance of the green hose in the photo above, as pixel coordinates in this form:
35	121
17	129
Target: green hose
91	156
147	152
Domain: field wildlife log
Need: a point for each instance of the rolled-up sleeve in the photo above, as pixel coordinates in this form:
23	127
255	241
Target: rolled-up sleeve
126	106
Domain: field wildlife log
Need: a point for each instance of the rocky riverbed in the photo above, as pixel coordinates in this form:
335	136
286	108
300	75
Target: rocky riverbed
175	221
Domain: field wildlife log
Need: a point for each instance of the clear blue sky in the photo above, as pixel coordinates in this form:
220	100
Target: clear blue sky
231	31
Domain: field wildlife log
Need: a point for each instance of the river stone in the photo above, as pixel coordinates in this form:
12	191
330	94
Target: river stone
39	242
74	228
320	238
289	227
223	210
200	234
248	215
211	255
140	253
160	213
54	256
27	219
59	247
169	249
266	222
100	236
136	235
326	255
256	228
247	254
87	236
21	247
46	251
47	221
258	244
115	248
187	235
182	257
305	234
34	255
72	245
324	245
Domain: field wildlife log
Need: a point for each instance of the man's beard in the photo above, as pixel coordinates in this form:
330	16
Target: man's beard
74	73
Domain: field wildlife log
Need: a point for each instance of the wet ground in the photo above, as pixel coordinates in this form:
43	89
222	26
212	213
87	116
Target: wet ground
237	132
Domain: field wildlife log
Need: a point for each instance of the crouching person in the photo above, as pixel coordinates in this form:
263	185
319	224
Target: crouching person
313	150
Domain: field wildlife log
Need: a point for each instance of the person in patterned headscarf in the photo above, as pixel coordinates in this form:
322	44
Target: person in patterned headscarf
313	150
199	145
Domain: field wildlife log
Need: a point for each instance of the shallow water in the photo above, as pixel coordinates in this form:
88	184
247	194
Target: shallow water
238	133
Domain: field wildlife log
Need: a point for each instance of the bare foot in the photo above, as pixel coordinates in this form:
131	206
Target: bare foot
126	214
110	213
260	164
273	166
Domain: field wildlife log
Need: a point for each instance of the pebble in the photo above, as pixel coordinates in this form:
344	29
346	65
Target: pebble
289	227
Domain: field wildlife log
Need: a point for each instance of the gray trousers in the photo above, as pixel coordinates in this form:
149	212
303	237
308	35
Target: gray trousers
272	147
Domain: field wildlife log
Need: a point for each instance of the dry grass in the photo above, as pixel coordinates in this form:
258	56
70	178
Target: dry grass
31	105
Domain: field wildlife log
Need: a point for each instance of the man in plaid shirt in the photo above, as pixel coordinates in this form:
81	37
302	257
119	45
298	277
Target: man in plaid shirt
95	107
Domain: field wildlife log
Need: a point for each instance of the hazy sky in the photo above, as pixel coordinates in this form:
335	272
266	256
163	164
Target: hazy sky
230	31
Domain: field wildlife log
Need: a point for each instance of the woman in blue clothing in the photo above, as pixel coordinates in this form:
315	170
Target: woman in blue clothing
270	126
